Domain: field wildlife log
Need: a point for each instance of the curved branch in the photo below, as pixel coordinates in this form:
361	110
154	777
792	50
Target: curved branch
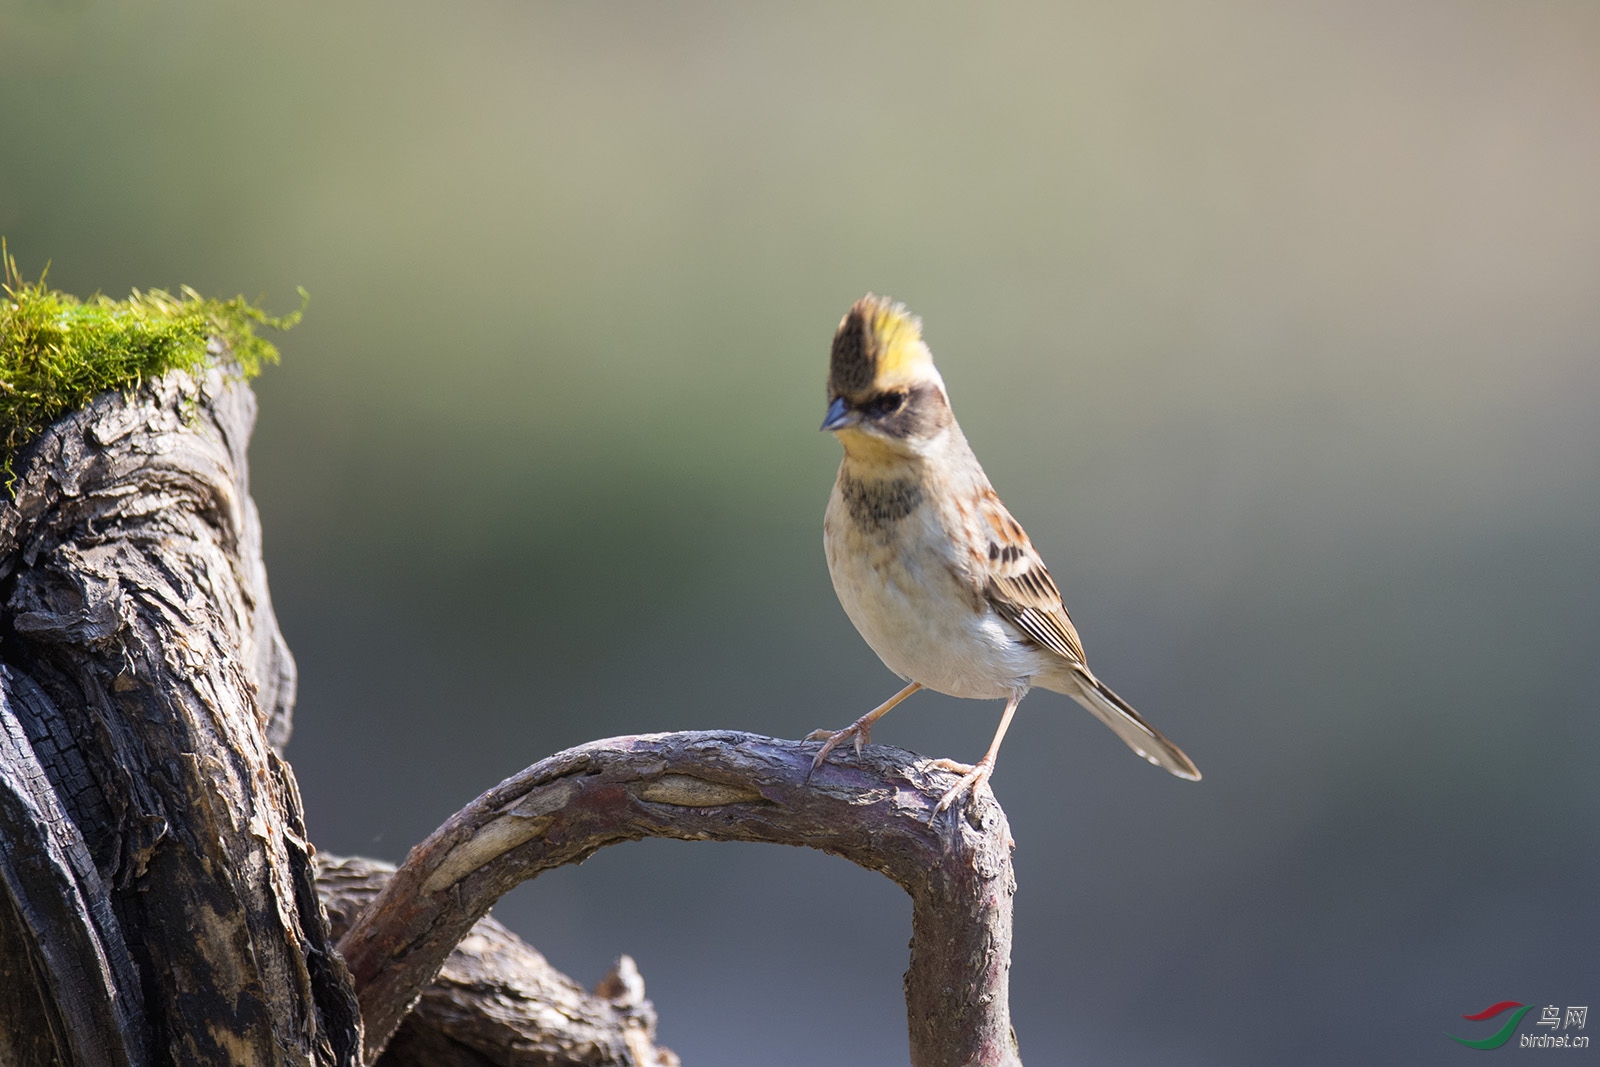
874	810
497	1002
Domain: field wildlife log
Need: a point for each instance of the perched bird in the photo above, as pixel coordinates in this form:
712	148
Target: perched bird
937	576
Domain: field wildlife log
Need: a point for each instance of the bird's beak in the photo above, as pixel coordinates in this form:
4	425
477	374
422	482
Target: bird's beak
839	416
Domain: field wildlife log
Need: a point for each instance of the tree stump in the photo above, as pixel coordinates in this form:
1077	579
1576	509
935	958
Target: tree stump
158	875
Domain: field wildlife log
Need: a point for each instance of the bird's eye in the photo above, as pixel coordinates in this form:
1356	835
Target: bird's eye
888	404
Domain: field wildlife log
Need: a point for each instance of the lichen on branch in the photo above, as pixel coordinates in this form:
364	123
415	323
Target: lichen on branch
58	352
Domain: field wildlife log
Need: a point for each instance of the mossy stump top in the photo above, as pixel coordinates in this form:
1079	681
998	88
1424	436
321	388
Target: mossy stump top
58	352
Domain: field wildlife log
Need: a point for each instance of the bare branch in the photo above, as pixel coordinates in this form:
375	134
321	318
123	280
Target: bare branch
498	1001
720	786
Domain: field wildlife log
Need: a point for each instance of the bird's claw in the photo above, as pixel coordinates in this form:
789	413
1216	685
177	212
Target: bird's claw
952	765
859	731
972	777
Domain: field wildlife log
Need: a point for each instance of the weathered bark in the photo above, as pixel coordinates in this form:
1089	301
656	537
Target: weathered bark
874	810
158	885
497	1002
88	994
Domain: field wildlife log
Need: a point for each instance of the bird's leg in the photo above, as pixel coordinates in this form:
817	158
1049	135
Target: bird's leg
973	777
861	729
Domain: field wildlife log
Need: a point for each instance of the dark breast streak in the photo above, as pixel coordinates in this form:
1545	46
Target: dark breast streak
878	504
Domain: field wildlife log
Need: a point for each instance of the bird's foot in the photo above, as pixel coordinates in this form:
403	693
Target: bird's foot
952	765
860	731
972	776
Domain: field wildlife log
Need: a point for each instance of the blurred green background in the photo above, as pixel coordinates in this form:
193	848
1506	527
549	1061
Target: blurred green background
1278	325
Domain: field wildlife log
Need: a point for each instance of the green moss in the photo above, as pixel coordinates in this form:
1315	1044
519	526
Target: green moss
58	352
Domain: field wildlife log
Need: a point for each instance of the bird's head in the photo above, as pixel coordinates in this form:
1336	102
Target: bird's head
884	393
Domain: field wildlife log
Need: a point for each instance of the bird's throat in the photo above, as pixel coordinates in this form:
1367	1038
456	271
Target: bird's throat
870	456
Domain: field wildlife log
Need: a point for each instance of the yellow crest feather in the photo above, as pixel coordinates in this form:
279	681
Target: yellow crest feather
878	344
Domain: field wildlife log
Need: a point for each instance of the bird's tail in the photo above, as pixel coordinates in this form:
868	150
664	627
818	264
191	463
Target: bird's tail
1129	725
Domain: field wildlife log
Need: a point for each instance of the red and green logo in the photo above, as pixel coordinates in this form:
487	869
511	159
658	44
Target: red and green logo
1500	1036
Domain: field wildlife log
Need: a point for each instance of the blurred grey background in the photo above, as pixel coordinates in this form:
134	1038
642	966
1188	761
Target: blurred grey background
1275	323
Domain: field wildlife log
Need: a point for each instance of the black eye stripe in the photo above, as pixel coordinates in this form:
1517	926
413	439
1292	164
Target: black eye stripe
919	411
885	404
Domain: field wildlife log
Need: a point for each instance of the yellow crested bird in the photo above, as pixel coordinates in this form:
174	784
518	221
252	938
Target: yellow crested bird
937	576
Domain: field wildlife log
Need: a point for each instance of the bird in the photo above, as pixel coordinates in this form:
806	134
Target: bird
937	576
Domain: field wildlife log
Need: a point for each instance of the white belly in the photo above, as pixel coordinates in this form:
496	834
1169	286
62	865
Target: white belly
913	611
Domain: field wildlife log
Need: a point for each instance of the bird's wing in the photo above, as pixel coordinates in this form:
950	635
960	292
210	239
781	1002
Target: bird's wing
1015	582
1020	589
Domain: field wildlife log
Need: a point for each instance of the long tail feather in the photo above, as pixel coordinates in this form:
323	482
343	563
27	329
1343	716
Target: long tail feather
1129	725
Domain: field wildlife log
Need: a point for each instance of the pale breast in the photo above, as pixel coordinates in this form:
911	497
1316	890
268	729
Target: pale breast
890	560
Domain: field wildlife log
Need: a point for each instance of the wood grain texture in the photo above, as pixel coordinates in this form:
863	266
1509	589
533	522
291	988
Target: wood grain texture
720	786
60	916
145	687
